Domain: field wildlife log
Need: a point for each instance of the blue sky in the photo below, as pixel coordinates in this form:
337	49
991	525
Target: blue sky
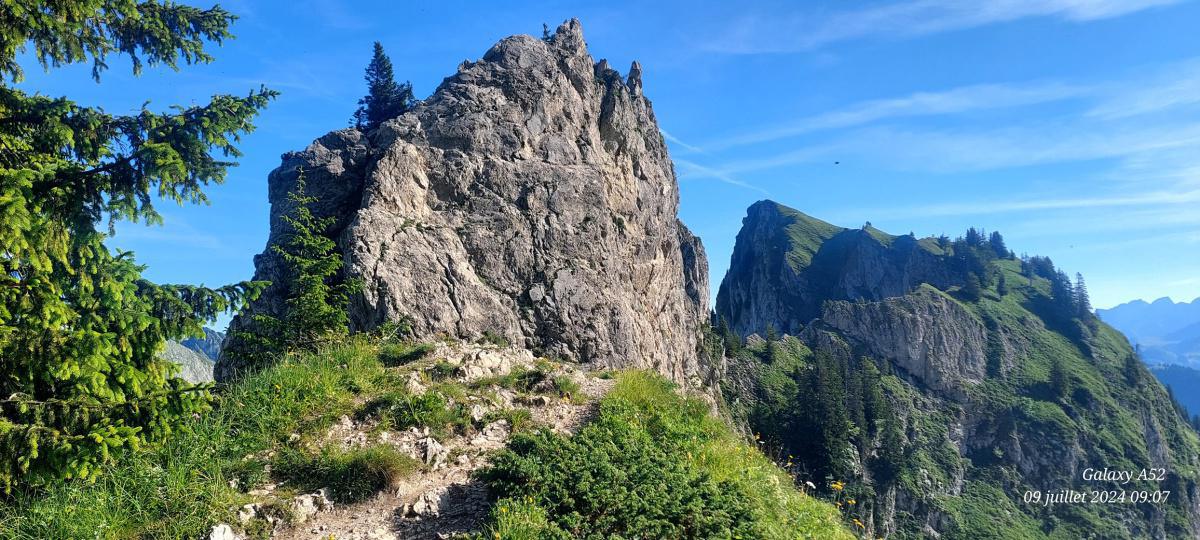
1071	126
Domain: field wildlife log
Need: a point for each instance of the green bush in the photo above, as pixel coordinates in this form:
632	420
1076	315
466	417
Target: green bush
350	475
442	370
652	465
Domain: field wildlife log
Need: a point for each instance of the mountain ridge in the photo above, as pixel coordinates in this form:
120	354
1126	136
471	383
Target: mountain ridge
995	385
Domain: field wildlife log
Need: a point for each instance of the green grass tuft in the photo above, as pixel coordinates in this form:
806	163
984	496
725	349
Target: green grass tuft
350	475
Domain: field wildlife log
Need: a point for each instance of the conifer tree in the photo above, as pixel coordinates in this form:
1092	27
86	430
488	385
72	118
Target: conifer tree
1063	294
1083	304
385	99
1002	285
997	243
972	289
315	309
733	342
1060	381
80	329
891	457
974	237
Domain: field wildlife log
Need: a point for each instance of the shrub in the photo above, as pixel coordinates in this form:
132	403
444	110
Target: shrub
350	475
442	370
653	465
521	520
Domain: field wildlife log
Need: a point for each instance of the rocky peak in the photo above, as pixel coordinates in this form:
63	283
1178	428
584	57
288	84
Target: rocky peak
531	197
786	265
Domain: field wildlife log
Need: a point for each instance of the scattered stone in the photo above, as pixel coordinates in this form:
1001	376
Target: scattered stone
429	503
247	513
434	452
223	531
478	412
496	431
306	506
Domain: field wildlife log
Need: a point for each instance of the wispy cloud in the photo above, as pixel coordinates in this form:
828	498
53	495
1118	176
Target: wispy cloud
695	170
806	31
338	14
953	101
974	208
672	139
1176	85
173	233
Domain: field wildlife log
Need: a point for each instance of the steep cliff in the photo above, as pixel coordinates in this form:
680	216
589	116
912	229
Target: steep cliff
961	386
786	264
531	197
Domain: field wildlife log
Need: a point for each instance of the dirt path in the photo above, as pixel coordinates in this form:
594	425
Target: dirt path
442	499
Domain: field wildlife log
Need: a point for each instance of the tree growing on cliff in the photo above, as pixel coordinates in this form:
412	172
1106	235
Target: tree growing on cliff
80	329
385	99
1083	303
315	300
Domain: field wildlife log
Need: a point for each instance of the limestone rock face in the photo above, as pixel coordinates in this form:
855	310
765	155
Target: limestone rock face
531	196
786	264
926	333
194	367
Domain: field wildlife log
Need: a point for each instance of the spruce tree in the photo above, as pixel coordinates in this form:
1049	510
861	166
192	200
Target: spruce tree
316	301
80	329
1060	380
1064	295
1083	304
972	289
997	243
385	99
891	456
974	237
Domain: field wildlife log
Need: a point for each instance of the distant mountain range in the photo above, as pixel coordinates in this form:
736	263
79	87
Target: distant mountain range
1165	332
1184	383
196	356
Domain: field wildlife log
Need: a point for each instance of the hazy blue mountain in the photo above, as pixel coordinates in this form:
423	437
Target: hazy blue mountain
1164	331
209	345
1184	383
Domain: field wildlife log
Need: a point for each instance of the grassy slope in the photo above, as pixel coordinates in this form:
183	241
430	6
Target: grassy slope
553	485
182	488
805	235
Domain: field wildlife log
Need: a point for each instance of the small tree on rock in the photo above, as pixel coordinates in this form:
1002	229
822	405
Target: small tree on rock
385	99
315	305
